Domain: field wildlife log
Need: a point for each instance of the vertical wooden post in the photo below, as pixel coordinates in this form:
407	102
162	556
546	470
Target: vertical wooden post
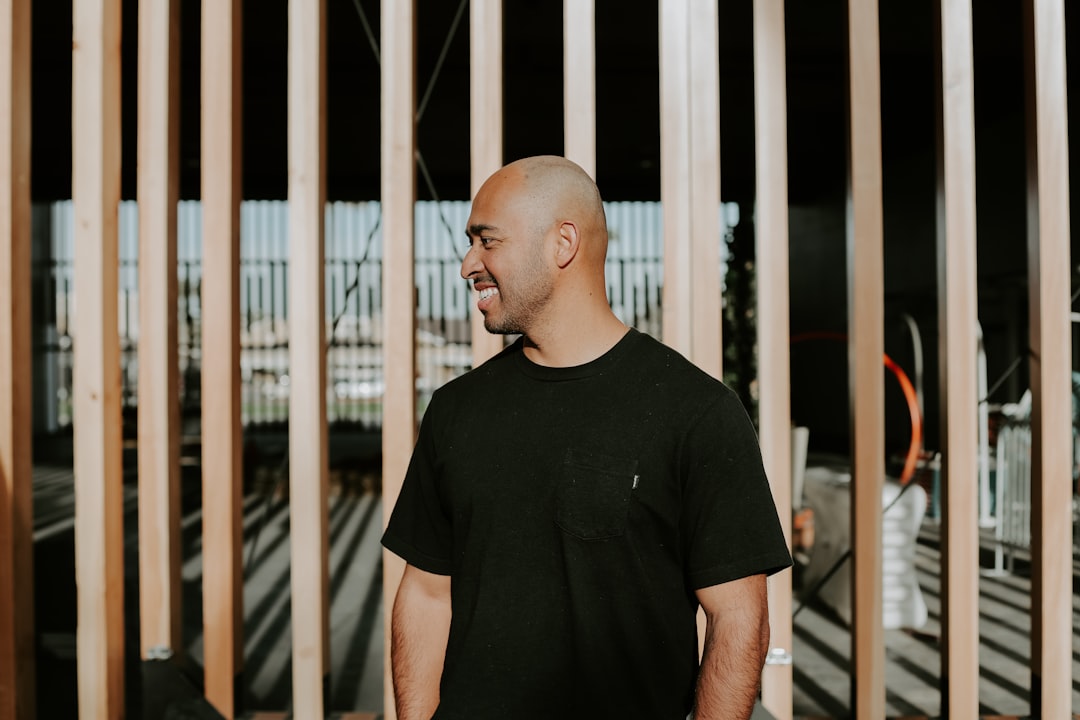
223	613
485	128
690	184
1050	333
958	320
703	104
99	522
774	350
866	347
675	193
159	408
579	81
308	469
690	179
17	661
399	300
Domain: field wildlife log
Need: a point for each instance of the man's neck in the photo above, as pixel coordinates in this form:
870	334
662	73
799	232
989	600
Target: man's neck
575	340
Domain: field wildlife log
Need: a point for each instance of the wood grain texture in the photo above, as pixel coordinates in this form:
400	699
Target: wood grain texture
1050	363
675	173
308	464
865	350
485	128
221	430
774	350
579	82
99	569
958	319
160	587
399	305
17	660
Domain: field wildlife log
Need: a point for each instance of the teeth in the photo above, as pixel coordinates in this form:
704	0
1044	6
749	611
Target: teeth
488	292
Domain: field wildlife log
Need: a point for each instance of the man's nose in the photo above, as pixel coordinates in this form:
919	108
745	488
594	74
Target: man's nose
470	264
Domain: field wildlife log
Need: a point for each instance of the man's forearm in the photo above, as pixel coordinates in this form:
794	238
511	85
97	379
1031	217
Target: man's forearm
419	632
736	642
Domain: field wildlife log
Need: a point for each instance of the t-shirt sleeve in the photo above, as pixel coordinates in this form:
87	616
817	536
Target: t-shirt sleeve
730	524
419	530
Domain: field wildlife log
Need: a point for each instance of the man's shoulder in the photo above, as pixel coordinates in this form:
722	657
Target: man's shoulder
666	361
491	371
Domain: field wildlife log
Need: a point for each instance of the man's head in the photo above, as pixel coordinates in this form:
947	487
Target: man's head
537	232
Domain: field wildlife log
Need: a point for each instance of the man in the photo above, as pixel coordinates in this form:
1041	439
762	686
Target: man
570	502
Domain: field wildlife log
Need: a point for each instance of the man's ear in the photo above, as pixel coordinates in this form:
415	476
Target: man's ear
568	243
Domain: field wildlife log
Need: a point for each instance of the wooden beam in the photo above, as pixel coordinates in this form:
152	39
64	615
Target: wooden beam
704	163
308	466
579	82
866	347
399	300
690	179
221	433
958	320
675	174
1050	334
774	348
160	615
17	660
485	128
99	522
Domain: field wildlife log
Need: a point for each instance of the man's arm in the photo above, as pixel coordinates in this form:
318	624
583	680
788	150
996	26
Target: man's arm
418	635
736	642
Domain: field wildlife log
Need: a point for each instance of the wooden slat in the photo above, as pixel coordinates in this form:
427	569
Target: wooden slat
704	164
99	526
865	350
1050	333
221	435
161	619
399	304
958	320
579	81
485	128
17	661
675	191
308	470
774	355
690	185
690	179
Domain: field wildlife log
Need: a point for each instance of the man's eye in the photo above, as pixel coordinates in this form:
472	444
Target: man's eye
485	241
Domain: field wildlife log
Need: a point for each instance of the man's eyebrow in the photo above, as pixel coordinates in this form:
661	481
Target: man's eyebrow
475	230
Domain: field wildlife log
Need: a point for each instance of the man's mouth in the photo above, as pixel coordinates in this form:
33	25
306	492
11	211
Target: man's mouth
485	296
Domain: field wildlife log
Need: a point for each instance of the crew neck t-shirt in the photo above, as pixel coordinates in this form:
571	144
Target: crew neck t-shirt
576	511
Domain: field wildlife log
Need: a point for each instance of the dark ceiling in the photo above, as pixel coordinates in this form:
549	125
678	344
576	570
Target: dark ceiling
628	143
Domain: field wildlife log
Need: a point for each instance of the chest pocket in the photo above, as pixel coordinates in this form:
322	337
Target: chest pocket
592	500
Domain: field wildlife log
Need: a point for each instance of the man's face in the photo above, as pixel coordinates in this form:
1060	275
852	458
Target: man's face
505	261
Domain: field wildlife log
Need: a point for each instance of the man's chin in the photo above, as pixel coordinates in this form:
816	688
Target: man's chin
496	328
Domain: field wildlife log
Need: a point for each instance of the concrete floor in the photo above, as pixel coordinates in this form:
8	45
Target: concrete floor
821	641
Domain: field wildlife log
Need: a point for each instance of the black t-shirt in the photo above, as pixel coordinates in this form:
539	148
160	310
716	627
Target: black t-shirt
576	511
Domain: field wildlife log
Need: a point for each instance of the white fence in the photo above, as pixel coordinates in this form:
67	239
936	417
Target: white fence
1012	506
353	300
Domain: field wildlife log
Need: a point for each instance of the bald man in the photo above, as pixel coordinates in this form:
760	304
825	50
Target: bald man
571	502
